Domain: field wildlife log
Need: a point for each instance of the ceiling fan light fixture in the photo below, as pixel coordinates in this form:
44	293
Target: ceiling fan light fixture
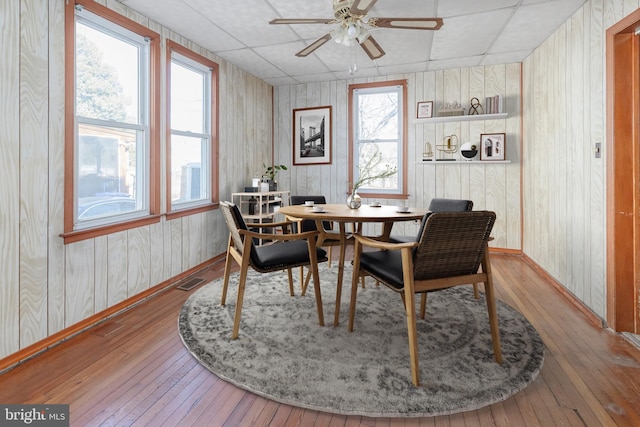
353	30
341	36
364	34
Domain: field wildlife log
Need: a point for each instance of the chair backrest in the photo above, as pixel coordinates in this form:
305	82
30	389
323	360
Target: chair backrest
299	200
309	224
450	205
235	221
451	243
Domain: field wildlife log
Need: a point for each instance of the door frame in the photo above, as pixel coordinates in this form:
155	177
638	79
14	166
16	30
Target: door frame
623	174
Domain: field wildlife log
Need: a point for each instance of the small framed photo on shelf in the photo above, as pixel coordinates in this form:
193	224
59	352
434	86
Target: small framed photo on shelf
425	109
492	146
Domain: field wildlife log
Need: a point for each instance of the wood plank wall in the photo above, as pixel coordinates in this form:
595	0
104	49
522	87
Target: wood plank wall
46	286
490	186
564	204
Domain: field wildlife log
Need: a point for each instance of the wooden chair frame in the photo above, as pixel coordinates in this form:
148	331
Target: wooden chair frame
239	250
412	286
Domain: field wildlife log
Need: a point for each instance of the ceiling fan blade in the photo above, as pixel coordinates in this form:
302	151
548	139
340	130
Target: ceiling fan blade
409	23
313	46
372	48
302	21
362	7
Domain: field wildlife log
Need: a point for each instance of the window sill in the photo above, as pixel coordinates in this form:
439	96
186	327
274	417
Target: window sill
192	211
91	233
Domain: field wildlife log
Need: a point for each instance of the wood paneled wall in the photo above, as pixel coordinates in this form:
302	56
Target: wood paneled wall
564	204
46	286
491	186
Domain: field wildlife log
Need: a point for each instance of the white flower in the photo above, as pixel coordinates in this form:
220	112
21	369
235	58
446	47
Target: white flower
367	174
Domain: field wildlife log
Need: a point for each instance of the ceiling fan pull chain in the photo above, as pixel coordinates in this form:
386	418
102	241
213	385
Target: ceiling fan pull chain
353	67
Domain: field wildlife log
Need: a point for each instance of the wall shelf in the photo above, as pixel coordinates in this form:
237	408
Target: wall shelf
462	118
464	162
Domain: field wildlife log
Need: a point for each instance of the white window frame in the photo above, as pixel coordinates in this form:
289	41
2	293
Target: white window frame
399	140
142	127
206	139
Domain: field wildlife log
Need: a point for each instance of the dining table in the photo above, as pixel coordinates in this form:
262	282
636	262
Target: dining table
341	214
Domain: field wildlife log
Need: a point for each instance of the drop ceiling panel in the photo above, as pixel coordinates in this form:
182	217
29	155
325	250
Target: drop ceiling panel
468	61
416	67
505	58
250	25
300	9
404	8
450	8
516	34
475	32
337	58
468	35
250	61
403	46
186	21
281	56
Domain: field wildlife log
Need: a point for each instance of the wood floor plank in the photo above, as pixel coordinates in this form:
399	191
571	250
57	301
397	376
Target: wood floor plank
217	413
264	409
179	392
485	418
134	370
295	417
281	415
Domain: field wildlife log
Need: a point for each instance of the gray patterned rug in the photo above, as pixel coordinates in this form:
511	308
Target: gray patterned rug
283	354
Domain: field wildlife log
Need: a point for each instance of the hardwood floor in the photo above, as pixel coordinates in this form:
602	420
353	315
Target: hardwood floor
134	370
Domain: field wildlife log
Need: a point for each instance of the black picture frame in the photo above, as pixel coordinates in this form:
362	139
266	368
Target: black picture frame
312	136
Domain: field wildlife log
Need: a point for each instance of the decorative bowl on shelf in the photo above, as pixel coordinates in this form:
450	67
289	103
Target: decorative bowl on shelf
468	151
469	154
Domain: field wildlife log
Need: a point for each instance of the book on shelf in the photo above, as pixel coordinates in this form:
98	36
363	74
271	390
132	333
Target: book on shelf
494	104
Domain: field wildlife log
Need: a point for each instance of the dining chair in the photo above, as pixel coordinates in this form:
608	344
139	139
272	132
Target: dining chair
330	237
438	205
449	251
288	250
310	225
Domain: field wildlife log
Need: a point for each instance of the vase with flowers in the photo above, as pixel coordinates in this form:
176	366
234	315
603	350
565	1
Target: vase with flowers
368	173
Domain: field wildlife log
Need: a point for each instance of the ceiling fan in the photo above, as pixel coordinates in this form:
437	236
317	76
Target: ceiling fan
354	24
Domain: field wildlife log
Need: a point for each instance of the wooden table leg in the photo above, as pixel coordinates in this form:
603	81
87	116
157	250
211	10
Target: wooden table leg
343	244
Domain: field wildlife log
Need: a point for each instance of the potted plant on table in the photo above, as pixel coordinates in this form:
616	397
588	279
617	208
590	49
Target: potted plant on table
269	175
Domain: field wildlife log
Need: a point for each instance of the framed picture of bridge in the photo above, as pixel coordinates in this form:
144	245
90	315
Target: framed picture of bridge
312	136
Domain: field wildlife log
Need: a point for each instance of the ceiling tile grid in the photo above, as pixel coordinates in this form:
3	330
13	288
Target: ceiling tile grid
474	33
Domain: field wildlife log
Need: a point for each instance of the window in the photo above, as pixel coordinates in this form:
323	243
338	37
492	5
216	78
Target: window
192	81
113	139
378	130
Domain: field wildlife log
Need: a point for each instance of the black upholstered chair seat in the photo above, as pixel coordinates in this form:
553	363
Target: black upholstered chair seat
385	266
284	255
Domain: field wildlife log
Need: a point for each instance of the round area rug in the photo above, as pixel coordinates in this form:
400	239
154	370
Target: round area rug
283	354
